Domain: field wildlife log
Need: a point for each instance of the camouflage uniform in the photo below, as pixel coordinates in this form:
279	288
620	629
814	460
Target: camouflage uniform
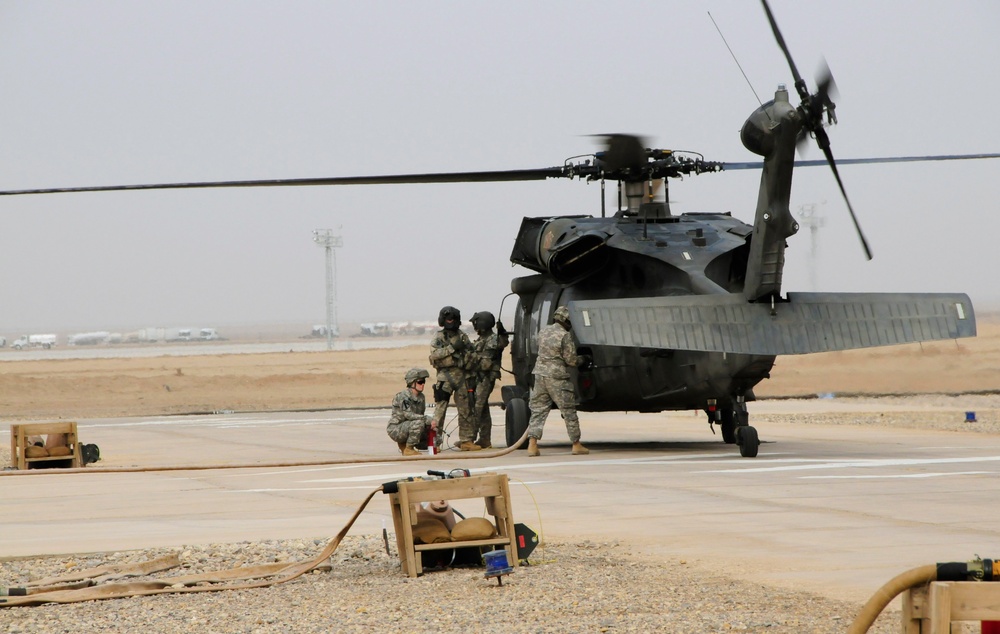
451	367
407	423
556	354
486	352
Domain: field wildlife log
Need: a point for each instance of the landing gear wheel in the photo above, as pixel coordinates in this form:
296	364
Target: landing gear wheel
517	421
748	441
728	426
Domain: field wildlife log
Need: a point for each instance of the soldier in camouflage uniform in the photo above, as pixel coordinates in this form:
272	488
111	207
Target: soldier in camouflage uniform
450	354
408	424
486	352
556	355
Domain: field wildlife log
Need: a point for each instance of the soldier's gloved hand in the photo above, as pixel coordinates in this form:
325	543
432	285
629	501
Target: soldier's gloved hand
500	329
586	362
458	344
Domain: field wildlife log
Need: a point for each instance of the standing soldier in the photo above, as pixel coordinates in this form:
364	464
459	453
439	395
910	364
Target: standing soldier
408	424
487	350
450	351
556	355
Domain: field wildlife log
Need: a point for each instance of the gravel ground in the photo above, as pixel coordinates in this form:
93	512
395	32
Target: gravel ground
568	587
583	587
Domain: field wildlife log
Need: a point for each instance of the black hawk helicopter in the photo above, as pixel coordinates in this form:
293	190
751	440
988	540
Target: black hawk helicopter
684	311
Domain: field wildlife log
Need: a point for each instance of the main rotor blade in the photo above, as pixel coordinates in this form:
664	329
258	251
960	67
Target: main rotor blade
456	177
756	165
388	179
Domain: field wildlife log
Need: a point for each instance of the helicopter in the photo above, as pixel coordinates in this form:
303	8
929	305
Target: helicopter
685	311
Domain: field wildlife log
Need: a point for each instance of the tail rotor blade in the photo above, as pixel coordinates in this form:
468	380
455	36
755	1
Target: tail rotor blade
800	84
824	143
826	92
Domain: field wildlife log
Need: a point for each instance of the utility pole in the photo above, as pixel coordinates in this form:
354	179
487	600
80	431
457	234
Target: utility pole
326	239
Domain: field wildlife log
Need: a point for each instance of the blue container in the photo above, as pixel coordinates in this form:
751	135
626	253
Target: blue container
970	417
496	563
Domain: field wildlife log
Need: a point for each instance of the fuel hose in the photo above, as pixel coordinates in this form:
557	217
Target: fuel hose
450	456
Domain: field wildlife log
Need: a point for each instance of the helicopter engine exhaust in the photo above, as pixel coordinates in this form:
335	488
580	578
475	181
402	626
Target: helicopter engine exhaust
560	248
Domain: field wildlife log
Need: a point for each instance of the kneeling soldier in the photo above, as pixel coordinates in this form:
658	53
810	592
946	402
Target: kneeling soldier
408	424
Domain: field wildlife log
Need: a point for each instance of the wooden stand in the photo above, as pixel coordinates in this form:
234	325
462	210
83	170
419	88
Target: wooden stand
19	435
931	609
491	486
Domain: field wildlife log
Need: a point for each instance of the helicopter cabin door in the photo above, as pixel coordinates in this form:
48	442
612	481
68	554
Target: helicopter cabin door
546	302
530	319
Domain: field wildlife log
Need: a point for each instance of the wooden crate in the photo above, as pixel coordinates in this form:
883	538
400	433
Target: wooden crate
19	435
933	608
494	488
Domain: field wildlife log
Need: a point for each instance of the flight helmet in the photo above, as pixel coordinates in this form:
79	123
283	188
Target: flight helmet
450	318
483	321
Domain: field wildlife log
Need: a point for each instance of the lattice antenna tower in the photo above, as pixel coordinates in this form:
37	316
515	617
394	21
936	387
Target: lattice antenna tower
329	241
811	216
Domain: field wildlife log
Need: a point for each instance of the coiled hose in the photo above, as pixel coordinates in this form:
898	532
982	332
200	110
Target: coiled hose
55	591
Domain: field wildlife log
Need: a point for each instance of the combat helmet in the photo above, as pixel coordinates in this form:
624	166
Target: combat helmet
483	321
561	315
415	374
450	313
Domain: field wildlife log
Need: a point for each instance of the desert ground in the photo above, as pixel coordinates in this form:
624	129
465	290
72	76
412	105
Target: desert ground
106	387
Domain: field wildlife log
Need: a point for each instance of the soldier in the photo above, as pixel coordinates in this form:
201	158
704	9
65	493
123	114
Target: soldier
487	350
450	352
408	424
556	355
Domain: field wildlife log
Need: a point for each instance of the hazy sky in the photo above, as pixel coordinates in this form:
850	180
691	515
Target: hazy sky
102	92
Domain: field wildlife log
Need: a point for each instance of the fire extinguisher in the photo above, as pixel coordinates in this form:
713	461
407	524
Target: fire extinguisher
431	437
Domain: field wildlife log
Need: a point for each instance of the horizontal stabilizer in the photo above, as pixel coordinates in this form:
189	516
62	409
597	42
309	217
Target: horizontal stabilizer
804	323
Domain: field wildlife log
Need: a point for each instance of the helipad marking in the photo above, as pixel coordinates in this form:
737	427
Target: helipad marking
939	474
578	464
233	422
287	471
570	464
346	488
862	464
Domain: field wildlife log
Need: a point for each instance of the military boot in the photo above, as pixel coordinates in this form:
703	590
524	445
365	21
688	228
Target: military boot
579	449
468	445
402	446
409	450
533	447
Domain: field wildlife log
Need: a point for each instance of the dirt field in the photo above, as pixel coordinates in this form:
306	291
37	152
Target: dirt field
77	388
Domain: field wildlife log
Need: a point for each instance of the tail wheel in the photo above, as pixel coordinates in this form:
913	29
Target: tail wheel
517	421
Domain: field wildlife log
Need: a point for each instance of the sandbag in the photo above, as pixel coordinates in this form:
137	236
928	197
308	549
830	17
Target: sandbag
473	528
61	450
36	452
430	530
